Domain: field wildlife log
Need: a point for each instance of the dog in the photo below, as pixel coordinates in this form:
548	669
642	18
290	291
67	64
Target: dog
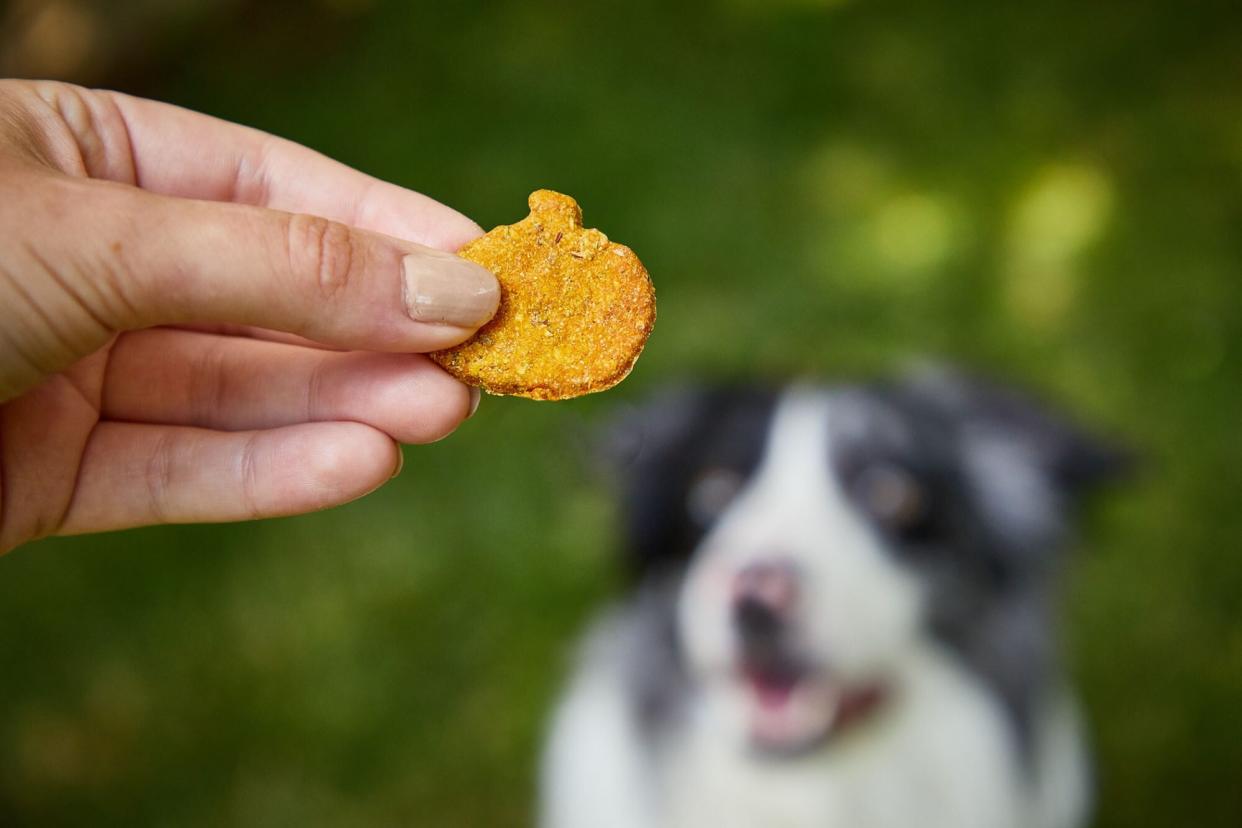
841	615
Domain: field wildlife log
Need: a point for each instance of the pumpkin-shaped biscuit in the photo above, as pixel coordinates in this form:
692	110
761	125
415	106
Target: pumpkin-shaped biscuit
575	309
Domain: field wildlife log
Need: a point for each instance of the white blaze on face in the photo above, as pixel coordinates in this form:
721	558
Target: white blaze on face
858	609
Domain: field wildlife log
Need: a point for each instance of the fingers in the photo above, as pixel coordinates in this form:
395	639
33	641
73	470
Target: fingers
169	260
183	153
94	257
184	378
133	475
250	332
177	152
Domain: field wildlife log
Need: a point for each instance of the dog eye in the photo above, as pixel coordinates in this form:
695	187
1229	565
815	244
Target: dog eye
711	492
892	495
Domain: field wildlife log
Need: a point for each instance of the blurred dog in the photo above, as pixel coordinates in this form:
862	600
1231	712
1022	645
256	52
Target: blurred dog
842	616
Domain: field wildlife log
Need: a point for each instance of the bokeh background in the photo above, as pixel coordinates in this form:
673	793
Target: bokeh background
1050	192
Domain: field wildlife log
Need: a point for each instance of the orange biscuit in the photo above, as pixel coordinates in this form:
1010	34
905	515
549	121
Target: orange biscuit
575	309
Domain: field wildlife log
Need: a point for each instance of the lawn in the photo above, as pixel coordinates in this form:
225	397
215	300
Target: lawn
1047	192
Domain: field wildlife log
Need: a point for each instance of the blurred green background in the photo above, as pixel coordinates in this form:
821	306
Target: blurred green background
1051	192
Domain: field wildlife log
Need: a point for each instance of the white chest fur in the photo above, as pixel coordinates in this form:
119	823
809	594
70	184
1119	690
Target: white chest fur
941	757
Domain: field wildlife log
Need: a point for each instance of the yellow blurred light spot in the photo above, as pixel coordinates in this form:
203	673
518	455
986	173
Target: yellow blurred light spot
1061	212
913	232
887	235
1055	219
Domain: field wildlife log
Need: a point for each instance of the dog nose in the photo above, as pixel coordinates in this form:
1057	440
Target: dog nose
764	593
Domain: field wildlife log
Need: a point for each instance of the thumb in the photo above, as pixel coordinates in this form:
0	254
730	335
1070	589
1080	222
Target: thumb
182	260
95	258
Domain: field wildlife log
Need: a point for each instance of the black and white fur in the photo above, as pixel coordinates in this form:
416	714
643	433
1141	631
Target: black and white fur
841	617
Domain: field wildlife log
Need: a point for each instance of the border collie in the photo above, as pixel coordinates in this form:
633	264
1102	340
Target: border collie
841	616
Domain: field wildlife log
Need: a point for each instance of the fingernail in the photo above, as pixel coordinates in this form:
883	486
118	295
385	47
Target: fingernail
475	396
443	289
400	463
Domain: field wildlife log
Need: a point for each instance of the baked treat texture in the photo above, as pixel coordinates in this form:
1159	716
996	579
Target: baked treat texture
575	309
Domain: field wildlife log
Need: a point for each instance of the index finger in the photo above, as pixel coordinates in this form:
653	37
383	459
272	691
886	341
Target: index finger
183	153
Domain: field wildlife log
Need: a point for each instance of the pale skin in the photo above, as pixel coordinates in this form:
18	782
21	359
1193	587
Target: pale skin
203	322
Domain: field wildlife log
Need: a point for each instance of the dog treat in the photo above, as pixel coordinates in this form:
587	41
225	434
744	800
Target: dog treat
575	309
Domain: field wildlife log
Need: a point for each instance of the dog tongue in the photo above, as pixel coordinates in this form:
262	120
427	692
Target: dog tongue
790	711
773	692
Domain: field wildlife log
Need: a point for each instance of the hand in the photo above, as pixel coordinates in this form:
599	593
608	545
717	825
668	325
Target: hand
202	322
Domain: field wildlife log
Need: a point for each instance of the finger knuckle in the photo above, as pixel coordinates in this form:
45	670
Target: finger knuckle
208	382
250	479
322	251
160	478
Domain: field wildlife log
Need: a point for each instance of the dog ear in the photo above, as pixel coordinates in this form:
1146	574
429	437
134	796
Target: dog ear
640	435
646	450
1082	461
1076	461
660	450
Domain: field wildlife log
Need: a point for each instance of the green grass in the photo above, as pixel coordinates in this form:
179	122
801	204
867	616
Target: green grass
1051	192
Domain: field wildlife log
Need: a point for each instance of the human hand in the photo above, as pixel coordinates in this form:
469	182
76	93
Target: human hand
202	322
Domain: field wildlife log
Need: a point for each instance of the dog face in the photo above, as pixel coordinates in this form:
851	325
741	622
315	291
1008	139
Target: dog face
821	536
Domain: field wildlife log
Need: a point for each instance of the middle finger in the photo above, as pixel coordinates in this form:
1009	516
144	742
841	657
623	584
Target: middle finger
180	377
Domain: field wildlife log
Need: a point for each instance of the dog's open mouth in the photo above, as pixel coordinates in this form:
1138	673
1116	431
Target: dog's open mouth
794	710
